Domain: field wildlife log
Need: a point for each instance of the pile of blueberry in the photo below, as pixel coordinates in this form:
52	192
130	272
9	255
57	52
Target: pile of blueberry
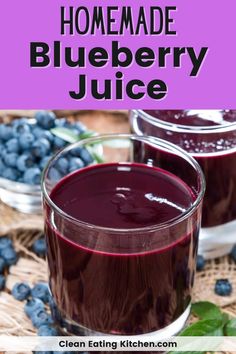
36	298
26	148
35	309
8	257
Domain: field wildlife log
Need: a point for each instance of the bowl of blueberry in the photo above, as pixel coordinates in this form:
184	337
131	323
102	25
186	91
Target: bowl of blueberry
26	145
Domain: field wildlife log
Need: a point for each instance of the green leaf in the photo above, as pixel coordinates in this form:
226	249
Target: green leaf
65	134
95	155
209	327
230	328
71	137
87	134
225	318
97	158
206	310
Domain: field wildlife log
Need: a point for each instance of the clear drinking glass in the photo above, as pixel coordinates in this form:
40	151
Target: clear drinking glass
116	280
210	137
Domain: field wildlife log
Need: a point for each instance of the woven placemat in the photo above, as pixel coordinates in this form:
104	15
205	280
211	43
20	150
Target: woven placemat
11	220
32	269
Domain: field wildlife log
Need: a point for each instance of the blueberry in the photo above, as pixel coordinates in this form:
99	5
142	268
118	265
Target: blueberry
39	247
6	132
233	254
76	151
2	264
32	176
2	166
24	162
26	140
54	174
74	131
10	159
2	148
200	263
41	147
47	135
61	122
9	255
55	312
2	128
2	282
86	156
19	121
47	331
41	291
43	162
59	143
20	129
223	287
12	145
28	152
62	165
21	291
3	152
11	173
40	318
45	119
33	305
80	127
75	163
52	304
5	242
37	131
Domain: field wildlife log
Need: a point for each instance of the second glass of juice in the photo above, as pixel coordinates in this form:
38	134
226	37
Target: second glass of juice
210	137
122	236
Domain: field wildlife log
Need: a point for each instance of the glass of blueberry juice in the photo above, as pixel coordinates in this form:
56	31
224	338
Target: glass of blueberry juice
210	137
122	236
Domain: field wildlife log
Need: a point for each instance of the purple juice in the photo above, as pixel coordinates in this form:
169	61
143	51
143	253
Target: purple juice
214	150
109	274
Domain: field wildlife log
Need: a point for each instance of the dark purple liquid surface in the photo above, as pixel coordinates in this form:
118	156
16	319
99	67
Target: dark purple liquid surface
135	291
199	118
215	152
122	196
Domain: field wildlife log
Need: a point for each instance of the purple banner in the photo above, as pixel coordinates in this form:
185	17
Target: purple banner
183	55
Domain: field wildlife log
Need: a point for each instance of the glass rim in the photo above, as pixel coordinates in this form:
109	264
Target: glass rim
157	141
185	128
